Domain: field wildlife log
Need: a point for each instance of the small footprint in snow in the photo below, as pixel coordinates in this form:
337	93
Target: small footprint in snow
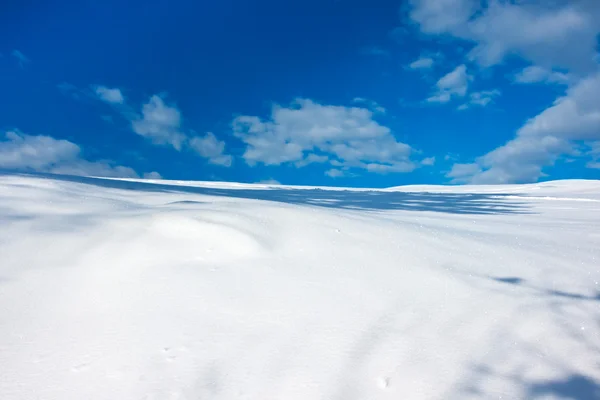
170	353
81	367
384	383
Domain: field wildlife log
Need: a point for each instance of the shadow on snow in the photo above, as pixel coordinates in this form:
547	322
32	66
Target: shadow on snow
576	387
546	292
454	203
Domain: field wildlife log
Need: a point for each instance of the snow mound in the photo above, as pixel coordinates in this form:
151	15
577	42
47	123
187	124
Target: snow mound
131	289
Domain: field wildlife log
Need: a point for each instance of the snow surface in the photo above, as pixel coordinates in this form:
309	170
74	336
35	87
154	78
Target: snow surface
121	289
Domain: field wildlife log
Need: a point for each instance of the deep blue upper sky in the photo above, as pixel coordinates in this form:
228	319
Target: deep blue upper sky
327	92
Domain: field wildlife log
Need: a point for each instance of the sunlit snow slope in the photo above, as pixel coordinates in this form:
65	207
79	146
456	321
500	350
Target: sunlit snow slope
118	290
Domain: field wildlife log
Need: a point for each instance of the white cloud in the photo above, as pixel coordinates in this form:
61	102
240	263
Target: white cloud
211	148
594	153
593	164
36	152
454	83
406	166
443	97
573	116
376	51
441	16
160	123
536	74
482	98
69	90
560	33
428	161
370	104
152	175
349	136
98	168
21	58
595	148
544	138
334	173
461	173
521	160
311	159
421	63
109	95
269	182
47	154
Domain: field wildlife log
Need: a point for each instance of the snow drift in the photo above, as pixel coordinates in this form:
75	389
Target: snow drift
123	289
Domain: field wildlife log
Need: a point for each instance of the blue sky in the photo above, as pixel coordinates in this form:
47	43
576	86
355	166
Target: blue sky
330	92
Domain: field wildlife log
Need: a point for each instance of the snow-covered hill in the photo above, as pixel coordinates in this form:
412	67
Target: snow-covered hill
120	289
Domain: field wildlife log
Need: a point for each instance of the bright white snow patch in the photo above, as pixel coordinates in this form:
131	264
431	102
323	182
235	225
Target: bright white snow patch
119	289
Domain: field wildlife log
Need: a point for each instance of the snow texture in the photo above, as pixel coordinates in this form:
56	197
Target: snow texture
131	289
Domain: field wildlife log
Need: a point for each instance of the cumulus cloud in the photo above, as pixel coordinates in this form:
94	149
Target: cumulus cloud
574	116
210	147
559	40
349	136
157	121
561	33
47	154
543	139
160	123
109	95
521	160
454	83
36	152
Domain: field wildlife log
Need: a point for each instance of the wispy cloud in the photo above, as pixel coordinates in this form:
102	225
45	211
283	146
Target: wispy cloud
376	51
429	161
370	104
270	181
536	74
109	95
21	58
454	83
334	173
422	62
481	99
70	90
